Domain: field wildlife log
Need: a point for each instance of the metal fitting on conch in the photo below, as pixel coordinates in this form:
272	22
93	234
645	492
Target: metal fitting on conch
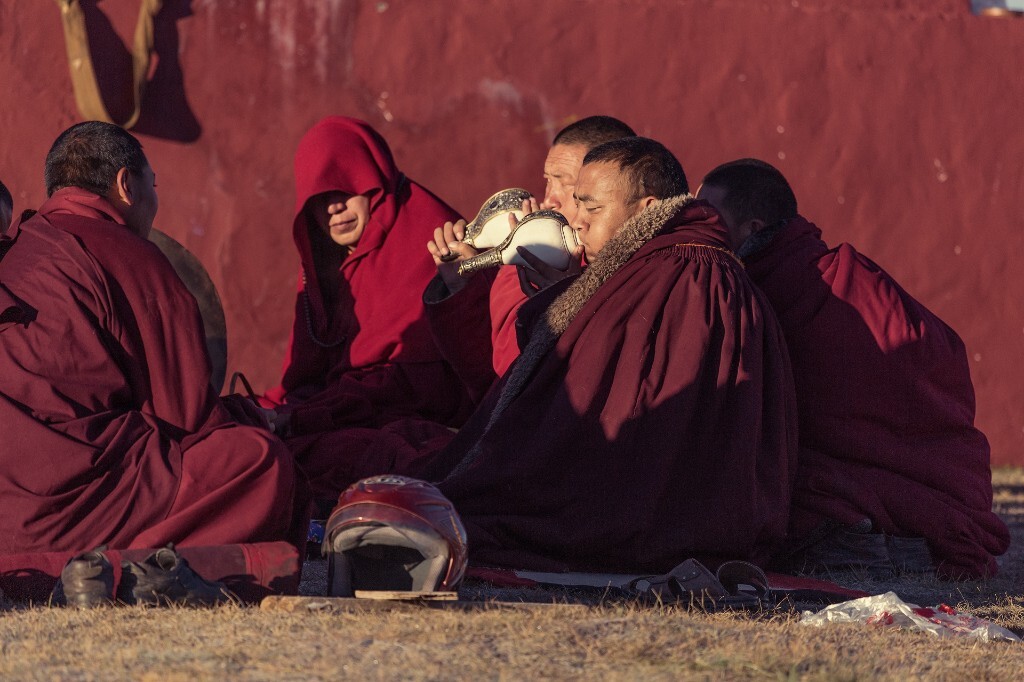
501	203
488	259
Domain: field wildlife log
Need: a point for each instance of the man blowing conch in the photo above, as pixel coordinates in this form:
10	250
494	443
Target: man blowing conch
111	431
454	304
889	455
650	417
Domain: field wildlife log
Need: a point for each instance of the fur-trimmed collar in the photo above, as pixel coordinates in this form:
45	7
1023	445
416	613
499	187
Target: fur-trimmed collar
636	232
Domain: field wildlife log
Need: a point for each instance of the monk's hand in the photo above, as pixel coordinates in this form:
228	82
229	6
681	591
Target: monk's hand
448	250
527	207
530	205
540	275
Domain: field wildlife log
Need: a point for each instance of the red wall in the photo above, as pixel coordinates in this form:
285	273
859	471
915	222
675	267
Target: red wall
897	122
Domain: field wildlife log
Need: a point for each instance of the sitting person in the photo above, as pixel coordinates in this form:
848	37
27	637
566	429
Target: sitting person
362	375
461	322
650	418
886	404
112	434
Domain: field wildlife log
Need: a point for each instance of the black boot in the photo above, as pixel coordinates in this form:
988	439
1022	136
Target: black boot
164	577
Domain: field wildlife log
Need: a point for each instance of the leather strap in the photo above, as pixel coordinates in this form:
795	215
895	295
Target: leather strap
83	76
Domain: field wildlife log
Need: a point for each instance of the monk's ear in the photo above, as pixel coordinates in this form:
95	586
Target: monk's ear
122	188
649	201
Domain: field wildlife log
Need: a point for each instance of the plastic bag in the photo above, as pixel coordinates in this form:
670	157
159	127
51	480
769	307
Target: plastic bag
888	610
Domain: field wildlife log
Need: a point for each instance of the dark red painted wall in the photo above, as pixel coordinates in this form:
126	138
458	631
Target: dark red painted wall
897	121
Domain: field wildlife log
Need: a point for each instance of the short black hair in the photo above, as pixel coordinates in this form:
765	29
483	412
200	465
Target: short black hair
593	131
650	168
88	155
754	189
5	196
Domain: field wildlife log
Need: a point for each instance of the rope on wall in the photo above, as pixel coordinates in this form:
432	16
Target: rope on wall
83	76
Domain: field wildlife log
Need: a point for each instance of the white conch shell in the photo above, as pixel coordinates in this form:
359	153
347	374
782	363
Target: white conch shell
545	234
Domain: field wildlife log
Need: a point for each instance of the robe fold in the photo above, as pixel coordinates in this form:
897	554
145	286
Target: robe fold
650	418
367	389
111	433
886	404
475	329
461	325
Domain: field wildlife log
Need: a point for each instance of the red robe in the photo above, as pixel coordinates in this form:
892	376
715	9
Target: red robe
650	418
111	433
371	392
886	404
506	297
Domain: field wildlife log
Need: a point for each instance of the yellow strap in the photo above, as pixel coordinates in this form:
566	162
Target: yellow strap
83	77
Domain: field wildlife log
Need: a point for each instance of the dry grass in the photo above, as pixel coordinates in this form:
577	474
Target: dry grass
613	641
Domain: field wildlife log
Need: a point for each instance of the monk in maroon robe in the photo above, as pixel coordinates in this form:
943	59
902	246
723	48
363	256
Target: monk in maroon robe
481	319
364	389
650	417
111	431
886	403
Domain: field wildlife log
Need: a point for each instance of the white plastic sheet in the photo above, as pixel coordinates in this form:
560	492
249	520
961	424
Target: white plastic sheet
888	610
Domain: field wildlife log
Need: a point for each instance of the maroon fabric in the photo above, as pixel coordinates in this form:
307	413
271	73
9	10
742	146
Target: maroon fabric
660	427
886	404
461	326
381	365
111	432
506	299
250	571
475	329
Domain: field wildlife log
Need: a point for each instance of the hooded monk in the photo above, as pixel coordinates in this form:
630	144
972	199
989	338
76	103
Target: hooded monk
362	375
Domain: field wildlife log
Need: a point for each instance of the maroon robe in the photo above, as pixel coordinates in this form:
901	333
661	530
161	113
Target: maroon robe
476	328
111	433
886	404
650	418
505	300
367	389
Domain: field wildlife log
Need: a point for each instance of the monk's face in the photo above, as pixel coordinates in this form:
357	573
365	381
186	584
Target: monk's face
561	168
342	217
602	205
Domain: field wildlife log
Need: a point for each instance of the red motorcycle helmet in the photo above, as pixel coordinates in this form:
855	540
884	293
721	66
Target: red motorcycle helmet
393	533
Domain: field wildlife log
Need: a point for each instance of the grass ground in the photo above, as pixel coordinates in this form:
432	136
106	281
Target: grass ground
562	641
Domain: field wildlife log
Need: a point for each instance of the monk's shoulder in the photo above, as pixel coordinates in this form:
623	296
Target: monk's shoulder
44	251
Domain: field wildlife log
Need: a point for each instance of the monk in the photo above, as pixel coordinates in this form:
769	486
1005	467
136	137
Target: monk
111	432
456	319
6	208
364	389
889	454
650	417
